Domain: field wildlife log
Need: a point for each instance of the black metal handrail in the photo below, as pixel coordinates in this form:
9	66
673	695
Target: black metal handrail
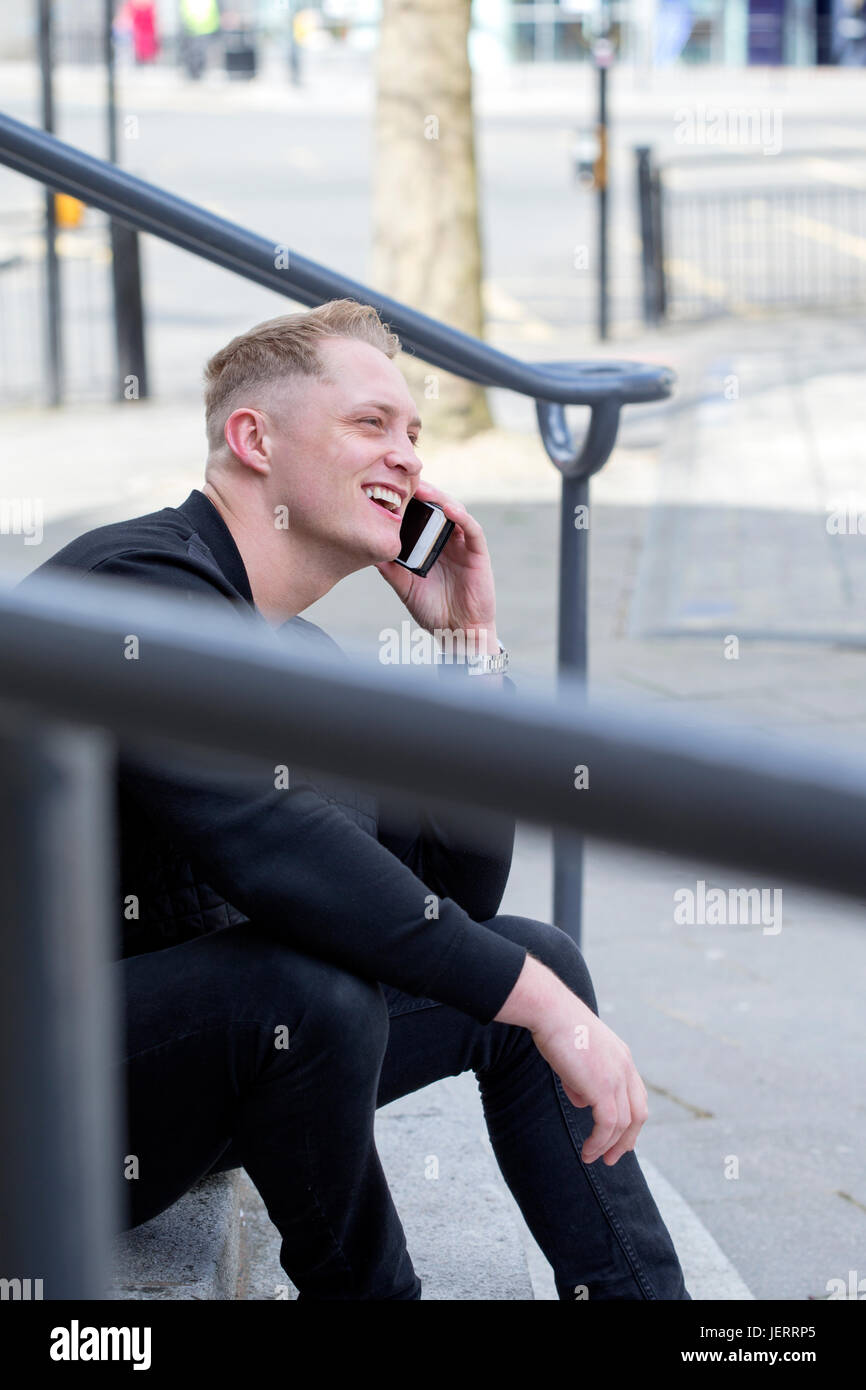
140	204
230	688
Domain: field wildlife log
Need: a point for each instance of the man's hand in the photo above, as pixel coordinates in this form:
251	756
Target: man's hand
593	1064
458	593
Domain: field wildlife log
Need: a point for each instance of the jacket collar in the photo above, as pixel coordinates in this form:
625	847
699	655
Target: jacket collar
203	516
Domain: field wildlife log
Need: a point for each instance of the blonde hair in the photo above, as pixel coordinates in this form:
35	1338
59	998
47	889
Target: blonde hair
281	347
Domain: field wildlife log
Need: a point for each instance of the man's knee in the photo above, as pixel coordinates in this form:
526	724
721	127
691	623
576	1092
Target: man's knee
327	1010
348	1010
553	947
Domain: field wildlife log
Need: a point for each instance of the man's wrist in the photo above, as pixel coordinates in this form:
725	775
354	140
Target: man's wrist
492	665
486	655
471	651
536	993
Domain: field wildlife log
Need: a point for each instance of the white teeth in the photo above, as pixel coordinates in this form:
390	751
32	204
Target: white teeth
384	494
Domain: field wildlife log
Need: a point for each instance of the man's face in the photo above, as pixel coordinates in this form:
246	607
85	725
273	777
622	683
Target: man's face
333	441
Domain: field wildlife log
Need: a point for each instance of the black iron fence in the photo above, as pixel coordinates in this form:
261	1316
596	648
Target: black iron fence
740	233
84	257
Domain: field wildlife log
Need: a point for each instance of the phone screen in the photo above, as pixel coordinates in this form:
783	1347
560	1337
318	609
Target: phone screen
415	518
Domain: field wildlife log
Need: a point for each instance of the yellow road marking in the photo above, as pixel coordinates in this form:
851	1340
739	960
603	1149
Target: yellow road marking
816	230
691	275
834	172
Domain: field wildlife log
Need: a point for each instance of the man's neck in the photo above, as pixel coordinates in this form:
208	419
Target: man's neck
285	575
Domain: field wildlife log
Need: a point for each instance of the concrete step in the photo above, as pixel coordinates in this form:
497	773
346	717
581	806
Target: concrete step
190	1251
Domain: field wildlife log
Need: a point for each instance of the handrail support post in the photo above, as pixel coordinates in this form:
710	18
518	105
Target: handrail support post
576	464
61	1162
572	661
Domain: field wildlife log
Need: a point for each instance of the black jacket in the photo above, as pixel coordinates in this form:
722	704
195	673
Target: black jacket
317	863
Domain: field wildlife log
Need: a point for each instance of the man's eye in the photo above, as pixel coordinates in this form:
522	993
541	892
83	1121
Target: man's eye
374	420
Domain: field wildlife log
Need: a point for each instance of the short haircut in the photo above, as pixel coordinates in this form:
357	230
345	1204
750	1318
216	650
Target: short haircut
282	347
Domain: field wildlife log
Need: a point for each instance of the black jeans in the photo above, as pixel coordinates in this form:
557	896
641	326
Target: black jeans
242	1051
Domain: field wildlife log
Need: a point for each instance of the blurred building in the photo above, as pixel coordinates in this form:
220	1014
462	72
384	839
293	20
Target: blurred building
726	32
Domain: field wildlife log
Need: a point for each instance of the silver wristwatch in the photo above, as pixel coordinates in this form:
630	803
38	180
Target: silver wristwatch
495	665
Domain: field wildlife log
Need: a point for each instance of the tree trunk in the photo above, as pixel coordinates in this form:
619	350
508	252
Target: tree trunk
426	236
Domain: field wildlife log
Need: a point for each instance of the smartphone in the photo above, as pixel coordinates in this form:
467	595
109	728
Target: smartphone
424	531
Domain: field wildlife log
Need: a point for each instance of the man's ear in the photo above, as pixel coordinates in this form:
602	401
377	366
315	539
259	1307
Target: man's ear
245	433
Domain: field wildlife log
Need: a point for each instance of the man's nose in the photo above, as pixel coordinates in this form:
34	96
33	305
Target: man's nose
404	456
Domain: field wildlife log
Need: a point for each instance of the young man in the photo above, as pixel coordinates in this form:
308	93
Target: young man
297	913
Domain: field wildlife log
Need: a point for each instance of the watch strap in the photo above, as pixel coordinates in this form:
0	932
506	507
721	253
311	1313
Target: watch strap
495	665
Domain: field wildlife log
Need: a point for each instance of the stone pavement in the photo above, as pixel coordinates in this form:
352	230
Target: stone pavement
709	523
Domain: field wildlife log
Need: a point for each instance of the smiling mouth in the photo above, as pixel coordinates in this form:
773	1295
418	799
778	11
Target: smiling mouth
385	499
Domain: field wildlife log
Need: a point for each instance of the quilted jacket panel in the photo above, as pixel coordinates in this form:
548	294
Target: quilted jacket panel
171	900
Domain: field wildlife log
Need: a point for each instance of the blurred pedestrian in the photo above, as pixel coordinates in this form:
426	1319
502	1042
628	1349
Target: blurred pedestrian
145	39
135	26
200	20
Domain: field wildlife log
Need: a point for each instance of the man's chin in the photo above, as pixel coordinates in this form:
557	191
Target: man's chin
385	559
387	552
382	554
